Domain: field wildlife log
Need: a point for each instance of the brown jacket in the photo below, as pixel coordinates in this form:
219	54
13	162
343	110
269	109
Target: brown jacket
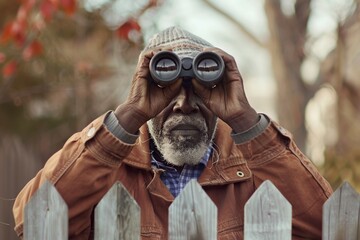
93	159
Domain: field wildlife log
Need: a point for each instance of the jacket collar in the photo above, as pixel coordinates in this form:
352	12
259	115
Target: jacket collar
140	156
226	164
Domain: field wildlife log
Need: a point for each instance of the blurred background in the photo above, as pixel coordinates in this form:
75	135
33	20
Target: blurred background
65	62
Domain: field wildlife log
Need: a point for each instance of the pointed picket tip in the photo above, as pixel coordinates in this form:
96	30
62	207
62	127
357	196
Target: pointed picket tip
46	215
193	215
117	216
268	214
341	214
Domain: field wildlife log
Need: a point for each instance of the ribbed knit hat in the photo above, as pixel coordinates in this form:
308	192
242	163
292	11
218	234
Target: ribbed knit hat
181	41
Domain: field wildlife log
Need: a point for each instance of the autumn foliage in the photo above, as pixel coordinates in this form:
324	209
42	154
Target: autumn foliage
32	18
22	31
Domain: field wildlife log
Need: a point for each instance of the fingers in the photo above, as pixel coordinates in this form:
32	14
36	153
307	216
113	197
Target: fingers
230	63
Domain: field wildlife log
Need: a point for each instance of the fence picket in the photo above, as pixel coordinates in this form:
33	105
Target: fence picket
117	216
341	214
267	214
192	215
46	215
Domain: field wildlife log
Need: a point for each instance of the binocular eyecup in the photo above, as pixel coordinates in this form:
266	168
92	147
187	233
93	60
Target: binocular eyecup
207	67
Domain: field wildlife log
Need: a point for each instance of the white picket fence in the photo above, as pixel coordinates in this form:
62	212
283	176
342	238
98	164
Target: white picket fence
192	215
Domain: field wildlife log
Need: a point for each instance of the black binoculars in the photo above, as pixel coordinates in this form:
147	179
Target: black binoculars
206	67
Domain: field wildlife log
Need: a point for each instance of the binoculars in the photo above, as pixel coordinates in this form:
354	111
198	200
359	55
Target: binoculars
206	67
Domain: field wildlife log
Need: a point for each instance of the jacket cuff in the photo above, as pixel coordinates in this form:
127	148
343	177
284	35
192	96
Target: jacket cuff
113	125
251	133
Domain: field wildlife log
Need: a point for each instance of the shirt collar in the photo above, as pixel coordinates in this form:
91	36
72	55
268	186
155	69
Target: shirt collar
158	163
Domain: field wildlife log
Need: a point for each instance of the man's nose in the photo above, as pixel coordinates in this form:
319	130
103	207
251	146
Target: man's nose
186	101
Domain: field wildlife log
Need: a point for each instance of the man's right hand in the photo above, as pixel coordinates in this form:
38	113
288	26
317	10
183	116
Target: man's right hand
146	99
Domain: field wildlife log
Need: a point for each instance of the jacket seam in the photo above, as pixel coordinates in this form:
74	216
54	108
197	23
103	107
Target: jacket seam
239	225
307	210
55	178
270	157
109	160
304	163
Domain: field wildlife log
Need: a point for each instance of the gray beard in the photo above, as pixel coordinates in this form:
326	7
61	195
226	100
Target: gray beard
180	150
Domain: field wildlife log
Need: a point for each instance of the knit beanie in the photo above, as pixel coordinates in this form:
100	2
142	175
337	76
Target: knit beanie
182	42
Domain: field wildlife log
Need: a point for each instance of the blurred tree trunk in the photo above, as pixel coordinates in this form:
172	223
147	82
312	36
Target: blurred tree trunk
342	69
286	44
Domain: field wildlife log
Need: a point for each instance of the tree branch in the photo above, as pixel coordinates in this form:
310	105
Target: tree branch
236	23
302	14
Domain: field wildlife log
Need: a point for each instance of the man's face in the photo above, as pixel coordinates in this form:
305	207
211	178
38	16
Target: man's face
182	131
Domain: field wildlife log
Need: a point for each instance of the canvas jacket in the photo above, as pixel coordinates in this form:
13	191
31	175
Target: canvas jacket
92	160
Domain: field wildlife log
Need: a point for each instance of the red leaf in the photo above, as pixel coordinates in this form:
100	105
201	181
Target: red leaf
69	6
9	69
129	26
29	4
47	9
2	57
34	49
55	3
22	14
18	32
14	31
6	35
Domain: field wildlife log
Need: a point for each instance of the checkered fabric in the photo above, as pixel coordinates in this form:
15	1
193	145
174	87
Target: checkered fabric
176	181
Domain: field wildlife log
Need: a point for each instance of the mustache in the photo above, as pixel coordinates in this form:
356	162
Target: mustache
197	121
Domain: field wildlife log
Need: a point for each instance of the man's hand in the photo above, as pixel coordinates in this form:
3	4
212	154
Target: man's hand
227	99
146	99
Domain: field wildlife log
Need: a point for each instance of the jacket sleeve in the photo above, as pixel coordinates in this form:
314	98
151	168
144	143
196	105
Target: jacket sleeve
273	155
82	171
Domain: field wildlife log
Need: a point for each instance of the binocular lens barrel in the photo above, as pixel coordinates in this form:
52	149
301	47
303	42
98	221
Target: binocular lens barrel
206	67
165	68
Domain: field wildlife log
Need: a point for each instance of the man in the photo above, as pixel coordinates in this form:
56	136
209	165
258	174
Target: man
163	136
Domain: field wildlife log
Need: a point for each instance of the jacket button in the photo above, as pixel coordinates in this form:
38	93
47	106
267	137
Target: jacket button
240	174
91	132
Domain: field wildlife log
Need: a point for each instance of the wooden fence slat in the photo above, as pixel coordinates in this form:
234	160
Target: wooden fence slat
192	215
46	215
117	216
341	215
267	214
